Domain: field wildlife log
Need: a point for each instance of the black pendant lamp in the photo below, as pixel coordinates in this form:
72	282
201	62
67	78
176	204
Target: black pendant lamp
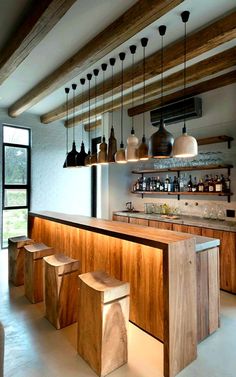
82	154
67	90
71	159
88	158
131	150
143	147
102	154
185	145
161	142
94	155
112	143
120	154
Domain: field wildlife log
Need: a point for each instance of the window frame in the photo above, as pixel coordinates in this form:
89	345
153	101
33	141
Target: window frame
27	186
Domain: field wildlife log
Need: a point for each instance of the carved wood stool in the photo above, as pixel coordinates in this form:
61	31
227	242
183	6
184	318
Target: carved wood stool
34	270
103	315
61	289
16	254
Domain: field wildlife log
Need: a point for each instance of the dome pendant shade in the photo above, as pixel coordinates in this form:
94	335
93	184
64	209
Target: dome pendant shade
185	146
161	143
131	151
71	158
112	146
81	156
143	150
120	155
102	154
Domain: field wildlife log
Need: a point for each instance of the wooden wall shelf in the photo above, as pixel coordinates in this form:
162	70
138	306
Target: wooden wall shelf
215	140
183	168
181	193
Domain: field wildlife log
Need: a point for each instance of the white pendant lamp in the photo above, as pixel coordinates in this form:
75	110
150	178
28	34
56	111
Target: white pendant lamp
120	154
131	151
185	145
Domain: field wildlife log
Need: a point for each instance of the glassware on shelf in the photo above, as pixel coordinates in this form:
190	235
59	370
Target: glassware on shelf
221	214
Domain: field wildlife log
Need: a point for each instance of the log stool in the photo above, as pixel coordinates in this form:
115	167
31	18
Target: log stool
34	270
16	258
61	289
103	315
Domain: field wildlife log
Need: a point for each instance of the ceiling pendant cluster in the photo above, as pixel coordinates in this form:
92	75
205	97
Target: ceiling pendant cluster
161	143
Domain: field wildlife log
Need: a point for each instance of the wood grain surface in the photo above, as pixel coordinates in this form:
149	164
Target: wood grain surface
16	257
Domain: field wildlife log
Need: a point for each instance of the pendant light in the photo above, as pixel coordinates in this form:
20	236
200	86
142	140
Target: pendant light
88	158
67	90
161	142
131	151
185	145
82	154
120	154
102	154
112	143
94	155
71	159
143	147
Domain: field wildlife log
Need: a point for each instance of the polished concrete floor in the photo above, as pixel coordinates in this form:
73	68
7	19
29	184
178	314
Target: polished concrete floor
35	349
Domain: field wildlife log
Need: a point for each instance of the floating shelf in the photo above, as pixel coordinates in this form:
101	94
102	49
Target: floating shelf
215	140
181	193
183	168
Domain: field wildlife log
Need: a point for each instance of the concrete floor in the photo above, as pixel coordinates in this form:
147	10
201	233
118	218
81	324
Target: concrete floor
35	349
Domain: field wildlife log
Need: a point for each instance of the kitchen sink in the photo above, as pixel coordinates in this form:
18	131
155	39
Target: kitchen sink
130	211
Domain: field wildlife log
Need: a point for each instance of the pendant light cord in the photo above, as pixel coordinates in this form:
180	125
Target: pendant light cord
162	81
144	89
185	52
74	86
82	98
122	58
67	117
103	100
112	93
89	76
132	92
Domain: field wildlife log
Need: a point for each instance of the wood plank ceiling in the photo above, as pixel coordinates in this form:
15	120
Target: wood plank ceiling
44	15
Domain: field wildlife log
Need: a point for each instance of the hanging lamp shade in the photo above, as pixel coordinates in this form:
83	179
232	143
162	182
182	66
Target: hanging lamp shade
131	150
82	154
161	142
71	158
185	145
120	154
112	146
143	147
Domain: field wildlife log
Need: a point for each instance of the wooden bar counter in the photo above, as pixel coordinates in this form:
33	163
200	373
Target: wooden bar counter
159	264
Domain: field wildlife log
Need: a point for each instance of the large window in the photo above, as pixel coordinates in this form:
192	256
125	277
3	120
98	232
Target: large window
16	181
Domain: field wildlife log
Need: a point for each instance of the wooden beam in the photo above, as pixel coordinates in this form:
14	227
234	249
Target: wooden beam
41	18
135	19
93	125
205	86
200	70
199	42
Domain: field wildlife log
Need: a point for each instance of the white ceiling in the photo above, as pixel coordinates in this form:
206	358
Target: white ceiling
82	22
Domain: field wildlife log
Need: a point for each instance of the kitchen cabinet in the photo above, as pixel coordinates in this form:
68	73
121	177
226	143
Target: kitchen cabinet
161	224
124	219
137	221
187	229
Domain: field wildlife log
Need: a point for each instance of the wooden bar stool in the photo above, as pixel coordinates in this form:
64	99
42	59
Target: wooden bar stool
103	315
16	258
61	289
34	270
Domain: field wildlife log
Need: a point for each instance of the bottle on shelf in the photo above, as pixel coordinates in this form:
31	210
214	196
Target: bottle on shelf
206	183
200	187
176	187
181	183
227	184
148	184
218	184
190	184
144	184
161	187
166	183
195	185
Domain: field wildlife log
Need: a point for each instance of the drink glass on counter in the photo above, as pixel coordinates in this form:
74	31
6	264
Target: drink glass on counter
148	208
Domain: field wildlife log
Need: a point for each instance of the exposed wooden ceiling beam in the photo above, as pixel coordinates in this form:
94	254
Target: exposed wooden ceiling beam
41	18
195	72
140	15
199	42
205	86
93	125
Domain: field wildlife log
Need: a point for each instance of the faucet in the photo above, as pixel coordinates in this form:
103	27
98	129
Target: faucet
129	206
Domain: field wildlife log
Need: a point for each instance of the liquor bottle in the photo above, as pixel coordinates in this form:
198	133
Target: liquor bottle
211	184
154	184
190	184
218	184
176	185
181	183
158	184
227	184
162	186
166	184
200	186
148	184
144	188
194	188
185	182
135	186
170	185
206	183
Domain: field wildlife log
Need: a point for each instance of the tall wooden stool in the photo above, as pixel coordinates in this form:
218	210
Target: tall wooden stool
103	315
16	258
34	270
61	289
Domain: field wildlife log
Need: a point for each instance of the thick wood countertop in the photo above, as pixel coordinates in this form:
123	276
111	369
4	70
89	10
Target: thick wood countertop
145	235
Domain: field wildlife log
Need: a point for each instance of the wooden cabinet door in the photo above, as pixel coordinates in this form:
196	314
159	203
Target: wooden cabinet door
187	229
124	219
227	257
135	220
160	224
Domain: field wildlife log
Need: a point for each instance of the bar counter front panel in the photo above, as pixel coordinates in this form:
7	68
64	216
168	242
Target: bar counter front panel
160	266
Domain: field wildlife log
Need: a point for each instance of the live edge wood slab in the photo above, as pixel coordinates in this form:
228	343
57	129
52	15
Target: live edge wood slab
160	266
